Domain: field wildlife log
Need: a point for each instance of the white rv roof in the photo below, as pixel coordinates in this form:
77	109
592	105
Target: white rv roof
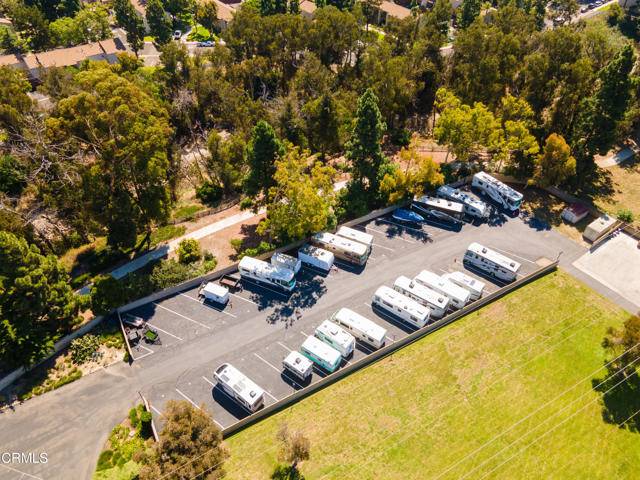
449	288
498	185
242	385
441	203
265	269
473	283
336	332
463	197
402	301
495	257
284	259
340	242
363	324
298	362
317	252
421	291
216	289
321	349
356	235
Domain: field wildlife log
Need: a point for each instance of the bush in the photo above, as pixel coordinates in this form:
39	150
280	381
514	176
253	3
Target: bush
104	460
107	293
400	137
209	193
133	417
169	273
189	251
263	247
625	215
83	348
236	244
145	424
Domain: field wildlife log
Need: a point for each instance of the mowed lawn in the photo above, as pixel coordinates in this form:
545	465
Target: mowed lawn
504	393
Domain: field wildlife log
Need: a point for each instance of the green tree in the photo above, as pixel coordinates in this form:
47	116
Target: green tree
267	7
125	131
37	304
13	175
294	7
622	345
321	118
131	21
189	251
190	444
263	151
290	124
299	203
364	148
15	104
555	165
295	447
31	24
207	14
92	21
470	11
158	21
561	11
227	159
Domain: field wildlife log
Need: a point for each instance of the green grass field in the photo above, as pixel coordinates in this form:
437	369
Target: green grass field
504	393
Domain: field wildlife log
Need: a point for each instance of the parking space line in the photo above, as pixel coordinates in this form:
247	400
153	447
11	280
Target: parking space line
260	358
382	246
304	333
284	346
386	234
156	410
242	298
188	399
266	288
149	352
180	315
208	305
267	392
208	381
21	472
164	331
389	338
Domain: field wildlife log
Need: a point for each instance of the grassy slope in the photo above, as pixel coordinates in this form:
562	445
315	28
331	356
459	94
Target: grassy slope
425	409
625	180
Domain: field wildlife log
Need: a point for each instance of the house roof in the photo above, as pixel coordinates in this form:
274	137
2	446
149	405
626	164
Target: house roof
225	12
307	6
65	57
394	10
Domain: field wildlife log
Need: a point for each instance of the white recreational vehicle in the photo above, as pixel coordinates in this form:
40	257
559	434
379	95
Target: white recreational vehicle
439	208
286	261
316	257
239	387
263	272
500	193
343	248
337	337
436	302
214	293
360	327
401	306
459	296
299	365
472	206
356	236
491	262
321	354
475	287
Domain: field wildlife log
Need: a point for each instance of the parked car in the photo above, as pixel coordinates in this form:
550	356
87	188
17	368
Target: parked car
177	34
133	321
407	216
206	44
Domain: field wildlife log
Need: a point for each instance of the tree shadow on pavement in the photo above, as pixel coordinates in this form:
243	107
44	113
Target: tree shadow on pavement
308	291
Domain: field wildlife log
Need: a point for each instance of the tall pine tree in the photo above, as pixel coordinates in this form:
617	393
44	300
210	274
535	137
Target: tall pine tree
264	149
158	21
128	18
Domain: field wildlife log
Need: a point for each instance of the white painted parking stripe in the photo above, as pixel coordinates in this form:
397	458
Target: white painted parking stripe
188	399
164	331
303	333
207	305
382	246
208	381
180	315
265	287
242	298
267	392
149	352
506	252
18	471
389	338
386	234
156	410
260	358
284	346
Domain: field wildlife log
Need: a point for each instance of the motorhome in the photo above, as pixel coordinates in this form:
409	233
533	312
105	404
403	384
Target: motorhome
360	327
239	387
439	208
401	306
342	248
491	262
214	293
321	354
437	303
316	257
472	206
337	337
299	365
286	261
502	194
356	236
459	296
473	285
263	272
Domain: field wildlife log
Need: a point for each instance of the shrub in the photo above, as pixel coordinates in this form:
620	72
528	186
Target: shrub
209	193
400	137
83	348
168	273
133	417
107	293
104	460
625	215
236	244
262	247
189	251
145	424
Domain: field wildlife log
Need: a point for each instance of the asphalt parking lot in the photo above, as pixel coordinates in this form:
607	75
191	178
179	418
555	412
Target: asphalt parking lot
260	325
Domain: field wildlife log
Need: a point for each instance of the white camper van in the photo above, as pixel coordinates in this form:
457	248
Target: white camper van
356	236
299	365
502	194
474	286
401	306
316	257
360	327
214	293
343	248
337	337
239	387
472	206
436	302
283	260
459	296
491	262
263	272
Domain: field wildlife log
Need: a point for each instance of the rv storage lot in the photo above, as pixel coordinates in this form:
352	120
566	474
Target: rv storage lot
262	325
505	393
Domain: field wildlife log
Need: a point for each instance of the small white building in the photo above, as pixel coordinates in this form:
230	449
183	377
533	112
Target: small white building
599	227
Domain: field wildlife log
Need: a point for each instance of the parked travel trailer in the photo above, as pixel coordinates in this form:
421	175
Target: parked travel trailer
436	302
337	337
345	249
286	261
474	286
263	272
214	293
439	208
316	257
401	306
239	387
491	262
360	327
299	365
356	236
459	296
502	194
472	206
321	354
